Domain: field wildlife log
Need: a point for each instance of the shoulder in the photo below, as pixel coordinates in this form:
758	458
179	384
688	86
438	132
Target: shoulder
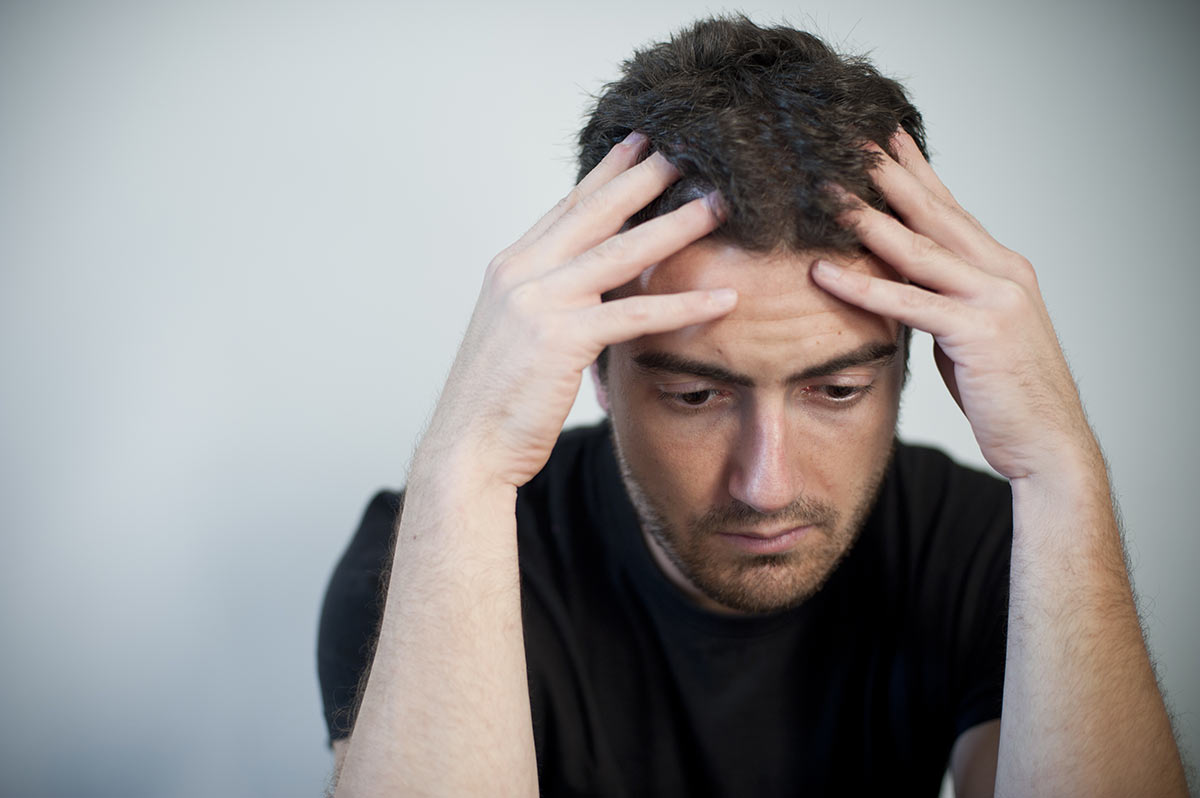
561	510
572	461
942	527
359	578
352	609
931	474
568	486
953	574
373	538
930	491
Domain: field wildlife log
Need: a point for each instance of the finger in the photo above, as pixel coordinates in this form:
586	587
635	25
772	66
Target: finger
617	260
647	314
908	304
622	156
601	213
910	157
917	257
930	214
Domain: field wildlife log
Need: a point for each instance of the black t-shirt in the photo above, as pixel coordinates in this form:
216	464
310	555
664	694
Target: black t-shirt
637	691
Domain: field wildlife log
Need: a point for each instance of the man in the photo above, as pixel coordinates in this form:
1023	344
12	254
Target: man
742	585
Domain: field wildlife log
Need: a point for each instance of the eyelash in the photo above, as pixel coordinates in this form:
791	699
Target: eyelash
857	392
676	399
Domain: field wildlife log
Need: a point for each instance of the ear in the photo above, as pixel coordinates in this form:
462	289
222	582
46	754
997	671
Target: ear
601	388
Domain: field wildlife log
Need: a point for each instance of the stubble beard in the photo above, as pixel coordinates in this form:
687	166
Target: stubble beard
757	583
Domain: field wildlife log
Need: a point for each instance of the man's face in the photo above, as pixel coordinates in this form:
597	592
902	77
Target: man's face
753	446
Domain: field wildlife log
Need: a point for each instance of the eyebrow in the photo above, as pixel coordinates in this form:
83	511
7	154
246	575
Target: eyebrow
873	354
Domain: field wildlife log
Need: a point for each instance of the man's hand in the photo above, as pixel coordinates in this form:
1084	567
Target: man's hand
446	708
539	321
1082	713
994	343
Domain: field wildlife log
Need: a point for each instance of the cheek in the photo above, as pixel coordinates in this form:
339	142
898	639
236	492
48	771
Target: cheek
856	451
842	457
680	459
835	454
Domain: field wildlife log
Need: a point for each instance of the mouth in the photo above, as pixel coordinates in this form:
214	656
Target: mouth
766	542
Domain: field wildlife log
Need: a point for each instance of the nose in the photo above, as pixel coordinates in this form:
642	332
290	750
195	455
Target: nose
763	472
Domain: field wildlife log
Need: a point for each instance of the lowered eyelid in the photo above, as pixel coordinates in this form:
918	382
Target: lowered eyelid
870	370
842	378
686	387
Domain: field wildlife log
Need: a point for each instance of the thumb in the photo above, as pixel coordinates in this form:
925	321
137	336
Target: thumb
946	367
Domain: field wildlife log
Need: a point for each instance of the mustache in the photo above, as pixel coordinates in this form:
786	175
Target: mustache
801	512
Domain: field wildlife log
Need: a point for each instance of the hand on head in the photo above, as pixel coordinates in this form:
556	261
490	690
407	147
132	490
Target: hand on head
994	343
540	322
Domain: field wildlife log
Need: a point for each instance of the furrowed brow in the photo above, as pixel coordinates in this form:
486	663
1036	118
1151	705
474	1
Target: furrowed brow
874	354
666	363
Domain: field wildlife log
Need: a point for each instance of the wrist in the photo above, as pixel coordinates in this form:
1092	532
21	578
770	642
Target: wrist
457	471
457	510
1076	475
1067	510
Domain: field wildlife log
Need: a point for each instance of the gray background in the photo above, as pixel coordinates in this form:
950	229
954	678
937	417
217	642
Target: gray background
239	242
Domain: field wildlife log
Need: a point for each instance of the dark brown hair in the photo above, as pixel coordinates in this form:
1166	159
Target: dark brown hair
768	116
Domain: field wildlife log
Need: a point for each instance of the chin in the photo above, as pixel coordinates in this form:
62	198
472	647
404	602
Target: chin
764	583
753	583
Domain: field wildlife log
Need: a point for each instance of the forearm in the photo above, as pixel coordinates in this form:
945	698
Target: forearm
446	707
1082	711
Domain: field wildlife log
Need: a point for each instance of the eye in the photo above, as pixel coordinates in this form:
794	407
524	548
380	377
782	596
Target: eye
695	398
690	400
842	392
838	394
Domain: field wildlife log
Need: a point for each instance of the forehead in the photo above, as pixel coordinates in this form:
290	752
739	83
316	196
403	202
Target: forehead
783	321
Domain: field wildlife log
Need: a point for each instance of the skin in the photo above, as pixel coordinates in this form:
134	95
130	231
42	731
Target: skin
446	709
446	706
703	456
1082	711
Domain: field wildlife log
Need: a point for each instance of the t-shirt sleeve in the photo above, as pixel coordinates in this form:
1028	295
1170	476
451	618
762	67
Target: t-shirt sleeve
352	611
958	541
983	623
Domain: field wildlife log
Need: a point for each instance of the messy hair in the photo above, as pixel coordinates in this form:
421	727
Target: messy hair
769	116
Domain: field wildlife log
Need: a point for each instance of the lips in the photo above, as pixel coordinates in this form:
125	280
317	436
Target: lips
766	542
767	535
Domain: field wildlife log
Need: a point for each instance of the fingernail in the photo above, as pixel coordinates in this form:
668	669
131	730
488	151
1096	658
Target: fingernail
834	188
661	160
827	269
716	204
634	139
723	296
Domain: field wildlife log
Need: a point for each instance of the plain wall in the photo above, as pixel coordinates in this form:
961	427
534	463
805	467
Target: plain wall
239	242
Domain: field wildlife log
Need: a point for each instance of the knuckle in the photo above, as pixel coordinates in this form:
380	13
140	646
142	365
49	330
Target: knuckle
589	204
525	298
617	248
921	248
634	310
933	205
570	200
969	223
1021	268
1008	295
498	265
912	298
503	270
